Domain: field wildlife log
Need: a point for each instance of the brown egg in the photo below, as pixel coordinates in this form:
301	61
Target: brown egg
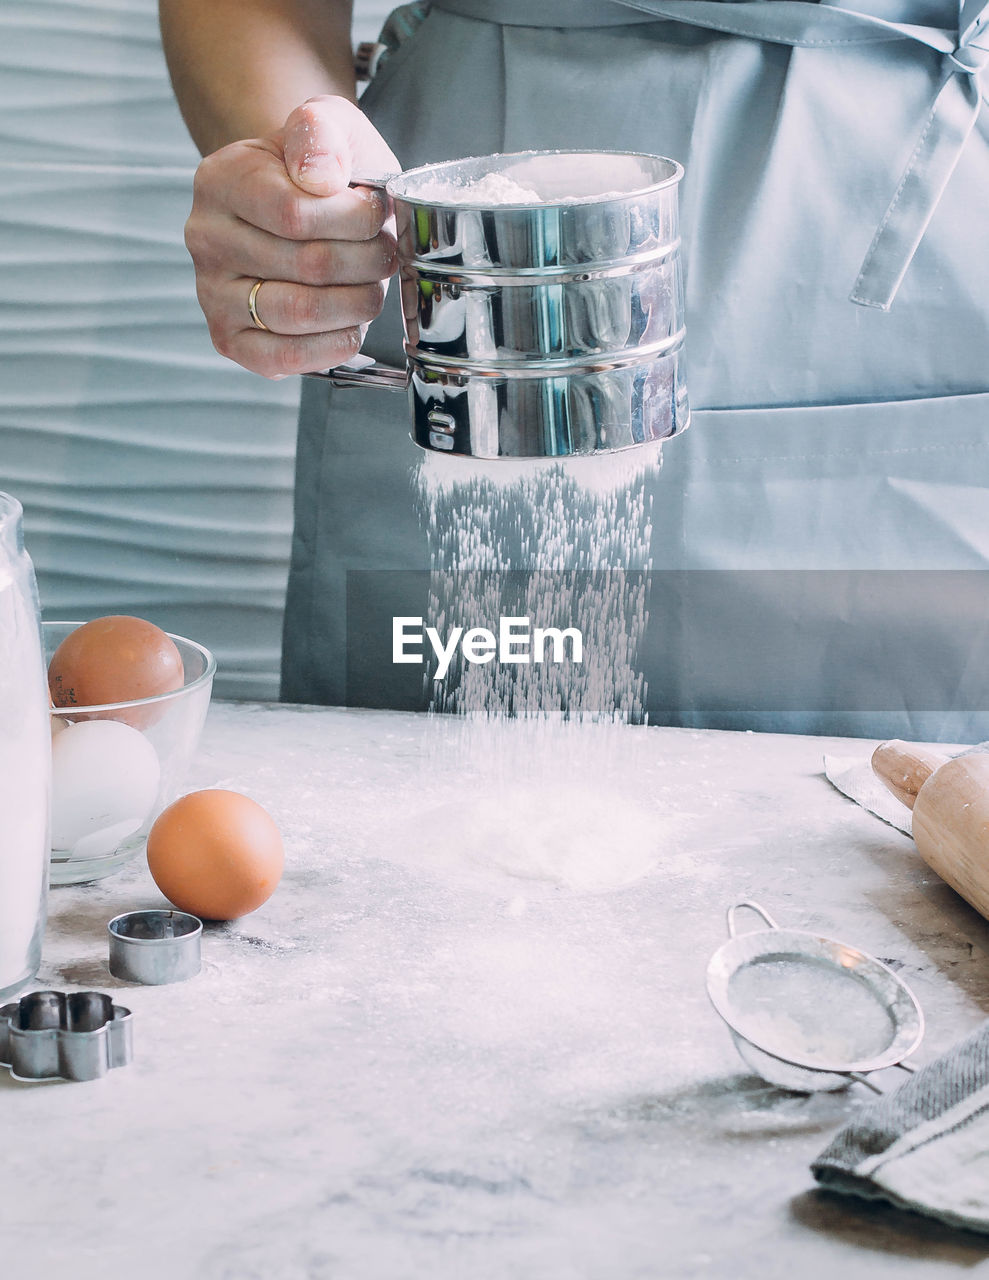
216	854
115	659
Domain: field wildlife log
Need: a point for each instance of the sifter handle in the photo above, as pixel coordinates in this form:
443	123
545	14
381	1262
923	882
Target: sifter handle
362	371
379	183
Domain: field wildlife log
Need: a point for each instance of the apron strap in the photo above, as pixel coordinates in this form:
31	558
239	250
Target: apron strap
947	128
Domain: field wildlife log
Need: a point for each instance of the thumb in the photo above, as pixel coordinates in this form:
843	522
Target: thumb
321	140
316	146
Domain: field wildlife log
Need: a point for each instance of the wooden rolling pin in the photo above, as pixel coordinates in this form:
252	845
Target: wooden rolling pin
950	803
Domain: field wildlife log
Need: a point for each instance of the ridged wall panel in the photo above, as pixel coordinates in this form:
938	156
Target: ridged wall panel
156	477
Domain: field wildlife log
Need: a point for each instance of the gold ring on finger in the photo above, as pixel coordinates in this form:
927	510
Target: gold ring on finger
252	307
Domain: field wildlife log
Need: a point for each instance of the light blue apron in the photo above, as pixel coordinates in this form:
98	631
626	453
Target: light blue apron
838	446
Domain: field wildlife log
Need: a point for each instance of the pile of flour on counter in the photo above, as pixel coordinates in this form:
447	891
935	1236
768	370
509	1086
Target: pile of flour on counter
539	803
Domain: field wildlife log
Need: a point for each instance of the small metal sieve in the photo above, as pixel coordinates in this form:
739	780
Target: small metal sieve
551	326
807	1013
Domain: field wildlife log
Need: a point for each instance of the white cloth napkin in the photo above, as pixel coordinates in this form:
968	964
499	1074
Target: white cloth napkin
854	778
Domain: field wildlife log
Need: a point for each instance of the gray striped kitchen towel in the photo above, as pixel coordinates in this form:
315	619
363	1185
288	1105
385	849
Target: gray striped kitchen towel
925	1146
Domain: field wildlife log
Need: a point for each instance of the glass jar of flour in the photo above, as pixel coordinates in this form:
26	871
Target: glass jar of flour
25	759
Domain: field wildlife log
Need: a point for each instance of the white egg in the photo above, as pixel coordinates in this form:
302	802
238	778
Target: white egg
105	777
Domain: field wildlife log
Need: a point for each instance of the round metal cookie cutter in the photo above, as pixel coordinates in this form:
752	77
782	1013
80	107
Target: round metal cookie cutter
807	1013
155	947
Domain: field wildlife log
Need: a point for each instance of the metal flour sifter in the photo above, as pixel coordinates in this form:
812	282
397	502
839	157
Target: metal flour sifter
548	325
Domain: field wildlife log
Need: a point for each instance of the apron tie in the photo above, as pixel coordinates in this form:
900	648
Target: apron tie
948	126
801	24
942	139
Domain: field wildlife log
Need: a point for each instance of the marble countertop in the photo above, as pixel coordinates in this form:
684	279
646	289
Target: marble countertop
469	1034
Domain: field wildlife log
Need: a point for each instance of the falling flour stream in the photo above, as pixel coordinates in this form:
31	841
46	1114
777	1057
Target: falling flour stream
560	543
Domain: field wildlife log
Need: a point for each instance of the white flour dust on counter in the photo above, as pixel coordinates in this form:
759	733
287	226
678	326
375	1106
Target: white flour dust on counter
562	543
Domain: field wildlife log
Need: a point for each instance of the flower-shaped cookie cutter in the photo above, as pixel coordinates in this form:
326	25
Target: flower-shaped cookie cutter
58	1035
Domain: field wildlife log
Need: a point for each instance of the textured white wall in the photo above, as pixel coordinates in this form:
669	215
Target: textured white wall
156	477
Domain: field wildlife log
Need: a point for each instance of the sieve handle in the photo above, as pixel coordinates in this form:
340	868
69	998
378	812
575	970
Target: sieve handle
864	1079
379	183
859	1078
362	371
752	906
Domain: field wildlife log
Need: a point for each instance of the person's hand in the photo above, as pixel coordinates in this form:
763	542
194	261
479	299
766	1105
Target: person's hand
279	210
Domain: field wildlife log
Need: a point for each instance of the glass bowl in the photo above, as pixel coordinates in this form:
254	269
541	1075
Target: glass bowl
108	786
